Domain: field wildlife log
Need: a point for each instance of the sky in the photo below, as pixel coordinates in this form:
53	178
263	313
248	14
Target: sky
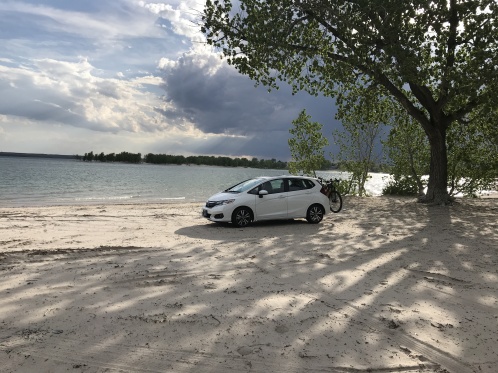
136	76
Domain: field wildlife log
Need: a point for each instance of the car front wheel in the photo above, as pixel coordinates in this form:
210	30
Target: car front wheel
315	214
241	217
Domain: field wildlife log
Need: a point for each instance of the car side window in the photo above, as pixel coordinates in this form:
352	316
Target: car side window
273	186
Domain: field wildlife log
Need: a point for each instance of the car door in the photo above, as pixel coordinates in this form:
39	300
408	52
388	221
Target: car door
298	197
274	204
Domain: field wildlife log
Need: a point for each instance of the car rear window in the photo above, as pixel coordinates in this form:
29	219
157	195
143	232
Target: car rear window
309	184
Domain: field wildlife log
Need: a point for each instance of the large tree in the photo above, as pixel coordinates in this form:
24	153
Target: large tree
438	59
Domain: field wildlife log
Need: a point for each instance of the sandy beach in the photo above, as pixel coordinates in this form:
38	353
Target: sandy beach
386	285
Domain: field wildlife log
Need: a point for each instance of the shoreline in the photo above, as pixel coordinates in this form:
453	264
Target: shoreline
386	284
183	200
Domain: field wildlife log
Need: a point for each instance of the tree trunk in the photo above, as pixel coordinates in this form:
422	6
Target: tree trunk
437	188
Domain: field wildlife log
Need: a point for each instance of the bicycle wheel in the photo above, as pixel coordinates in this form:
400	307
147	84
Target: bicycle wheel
335	201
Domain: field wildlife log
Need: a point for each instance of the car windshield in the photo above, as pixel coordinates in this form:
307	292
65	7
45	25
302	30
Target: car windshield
245	186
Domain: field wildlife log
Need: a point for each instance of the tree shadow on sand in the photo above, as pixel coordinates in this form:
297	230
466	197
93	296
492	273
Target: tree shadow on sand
388	286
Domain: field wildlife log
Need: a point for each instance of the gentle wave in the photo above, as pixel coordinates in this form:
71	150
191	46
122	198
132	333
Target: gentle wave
105	198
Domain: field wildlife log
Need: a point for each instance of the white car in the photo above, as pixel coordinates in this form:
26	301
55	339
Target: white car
269	198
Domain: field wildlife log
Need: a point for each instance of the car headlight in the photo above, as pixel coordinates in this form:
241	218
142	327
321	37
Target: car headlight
225	202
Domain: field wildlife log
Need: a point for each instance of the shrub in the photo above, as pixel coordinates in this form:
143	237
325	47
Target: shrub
401	186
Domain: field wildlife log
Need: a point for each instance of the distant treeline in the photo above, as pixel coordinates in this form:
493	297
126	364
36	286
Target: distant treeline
112	157
180	159
37	155
214	161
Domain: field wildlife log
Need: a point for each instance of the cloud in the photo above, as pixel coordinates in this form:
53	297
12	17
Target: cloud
116	34
181	16
117	19
71	94
216	99
136	73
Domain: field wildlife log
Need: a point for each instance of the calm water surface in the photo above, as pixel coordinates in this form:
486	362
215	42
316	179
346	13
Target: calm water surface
46	182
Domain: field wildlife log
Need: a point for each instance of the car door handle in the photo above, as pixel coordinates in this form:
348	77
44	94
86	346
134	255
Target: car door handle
281	196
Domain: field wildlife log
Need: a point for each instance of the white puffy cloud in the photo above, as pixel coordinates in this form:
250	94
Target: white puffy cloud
183	15
70	93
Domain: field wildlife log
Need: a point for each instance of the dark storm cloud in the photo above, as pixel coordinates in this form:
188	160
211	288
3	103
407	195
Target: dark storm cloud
217	99
222	102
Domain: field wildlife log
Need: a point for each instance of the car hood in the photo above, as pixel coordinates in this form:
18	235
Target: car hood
223	196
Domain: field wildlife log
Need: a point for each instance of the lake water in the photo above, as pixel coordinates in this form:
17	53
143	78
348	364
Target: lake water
49	182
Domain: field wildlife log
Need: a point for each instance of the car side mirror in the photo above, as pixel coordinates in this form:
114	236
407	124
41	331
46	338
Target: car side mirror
262	193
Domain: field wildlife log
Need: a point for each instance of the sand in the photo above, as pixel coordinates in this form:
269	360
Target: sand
386	285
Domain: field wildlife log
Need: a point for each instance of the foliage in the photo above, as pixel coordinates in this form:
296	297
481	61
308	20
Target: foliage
215	161
436	59
357	141
88	157
121	157
343	186
346	186
473	155
407	148
357	150
306	145
401	185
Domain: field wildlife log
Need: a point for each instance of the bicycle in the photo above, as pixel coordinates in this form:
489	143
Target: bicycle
329	189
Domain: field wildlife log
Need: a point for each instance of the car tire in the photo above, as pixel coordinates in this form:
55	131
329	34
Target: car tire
242	217
315	214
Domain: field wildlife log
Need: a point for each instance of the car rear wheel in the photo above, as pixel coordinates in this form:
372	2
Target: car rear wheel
315	214
241	217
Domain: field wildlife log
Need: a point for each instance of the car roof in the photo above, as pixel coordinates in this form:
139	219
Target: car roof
300	177
286	176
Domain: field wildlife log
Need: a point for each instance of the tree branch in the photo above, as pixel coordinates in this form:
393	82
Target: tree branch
450	57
